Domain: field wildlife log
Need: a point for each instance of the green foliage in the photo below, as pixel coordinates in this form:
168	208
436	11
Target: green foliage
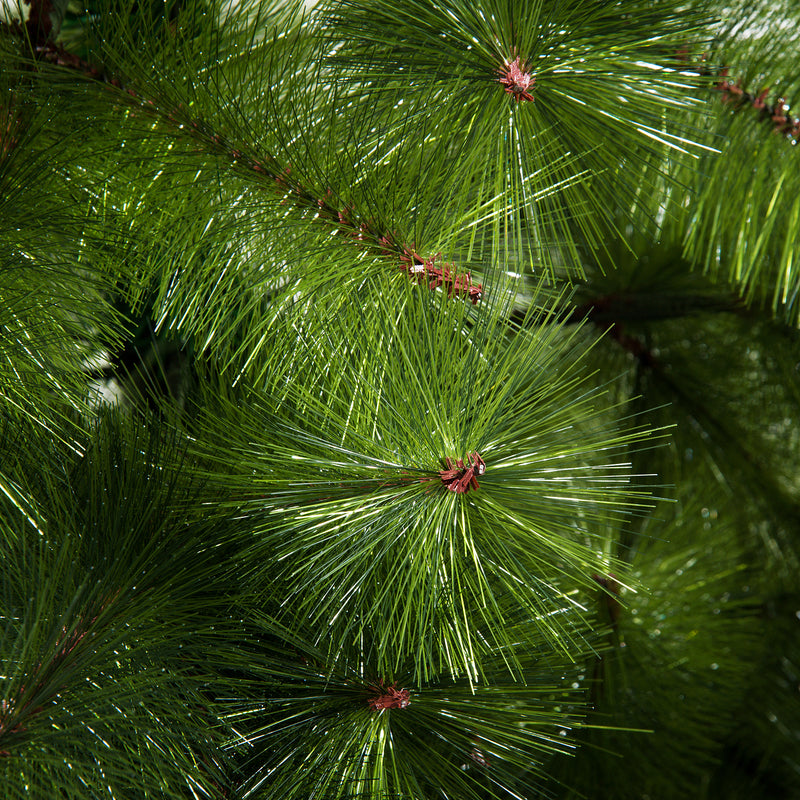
684	649
101	617
447	736
337	458
399	400
540	168
747	219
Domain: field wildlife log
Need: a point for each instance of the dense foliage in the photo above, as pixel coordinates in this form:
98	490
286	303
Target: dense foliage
399	400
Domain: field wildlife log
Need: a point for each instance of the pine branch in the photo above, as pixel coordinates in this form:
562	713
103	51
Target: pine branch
348	494
307	728
392	545
738	98
575	125
267	172
743	224
103	604
658	654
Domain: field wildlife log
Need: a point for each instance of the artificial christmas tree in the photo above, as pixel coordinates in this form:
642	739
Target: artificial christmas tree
399	401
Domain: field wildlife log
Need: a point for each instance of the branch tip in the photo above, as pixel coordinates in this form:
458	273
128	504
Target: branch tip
516	80
460	477
389	697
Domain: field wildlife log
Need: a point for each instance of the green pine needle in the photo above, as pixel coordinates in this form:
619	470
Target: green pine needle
306	730
339	473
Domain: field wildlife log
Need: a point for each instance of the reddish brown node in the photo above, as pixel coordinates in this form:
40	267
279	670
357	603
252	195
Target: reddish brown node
388	244
281	180
761	101
517	81
734	92
459	476
344	216
389	697
427	271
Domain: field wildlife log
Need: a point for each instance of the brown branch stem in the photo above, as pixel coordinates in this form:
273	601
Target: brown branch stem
270	172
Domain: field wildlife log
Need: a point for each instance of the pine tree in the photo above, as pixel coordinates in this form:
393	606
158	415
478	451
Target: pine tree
399	400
